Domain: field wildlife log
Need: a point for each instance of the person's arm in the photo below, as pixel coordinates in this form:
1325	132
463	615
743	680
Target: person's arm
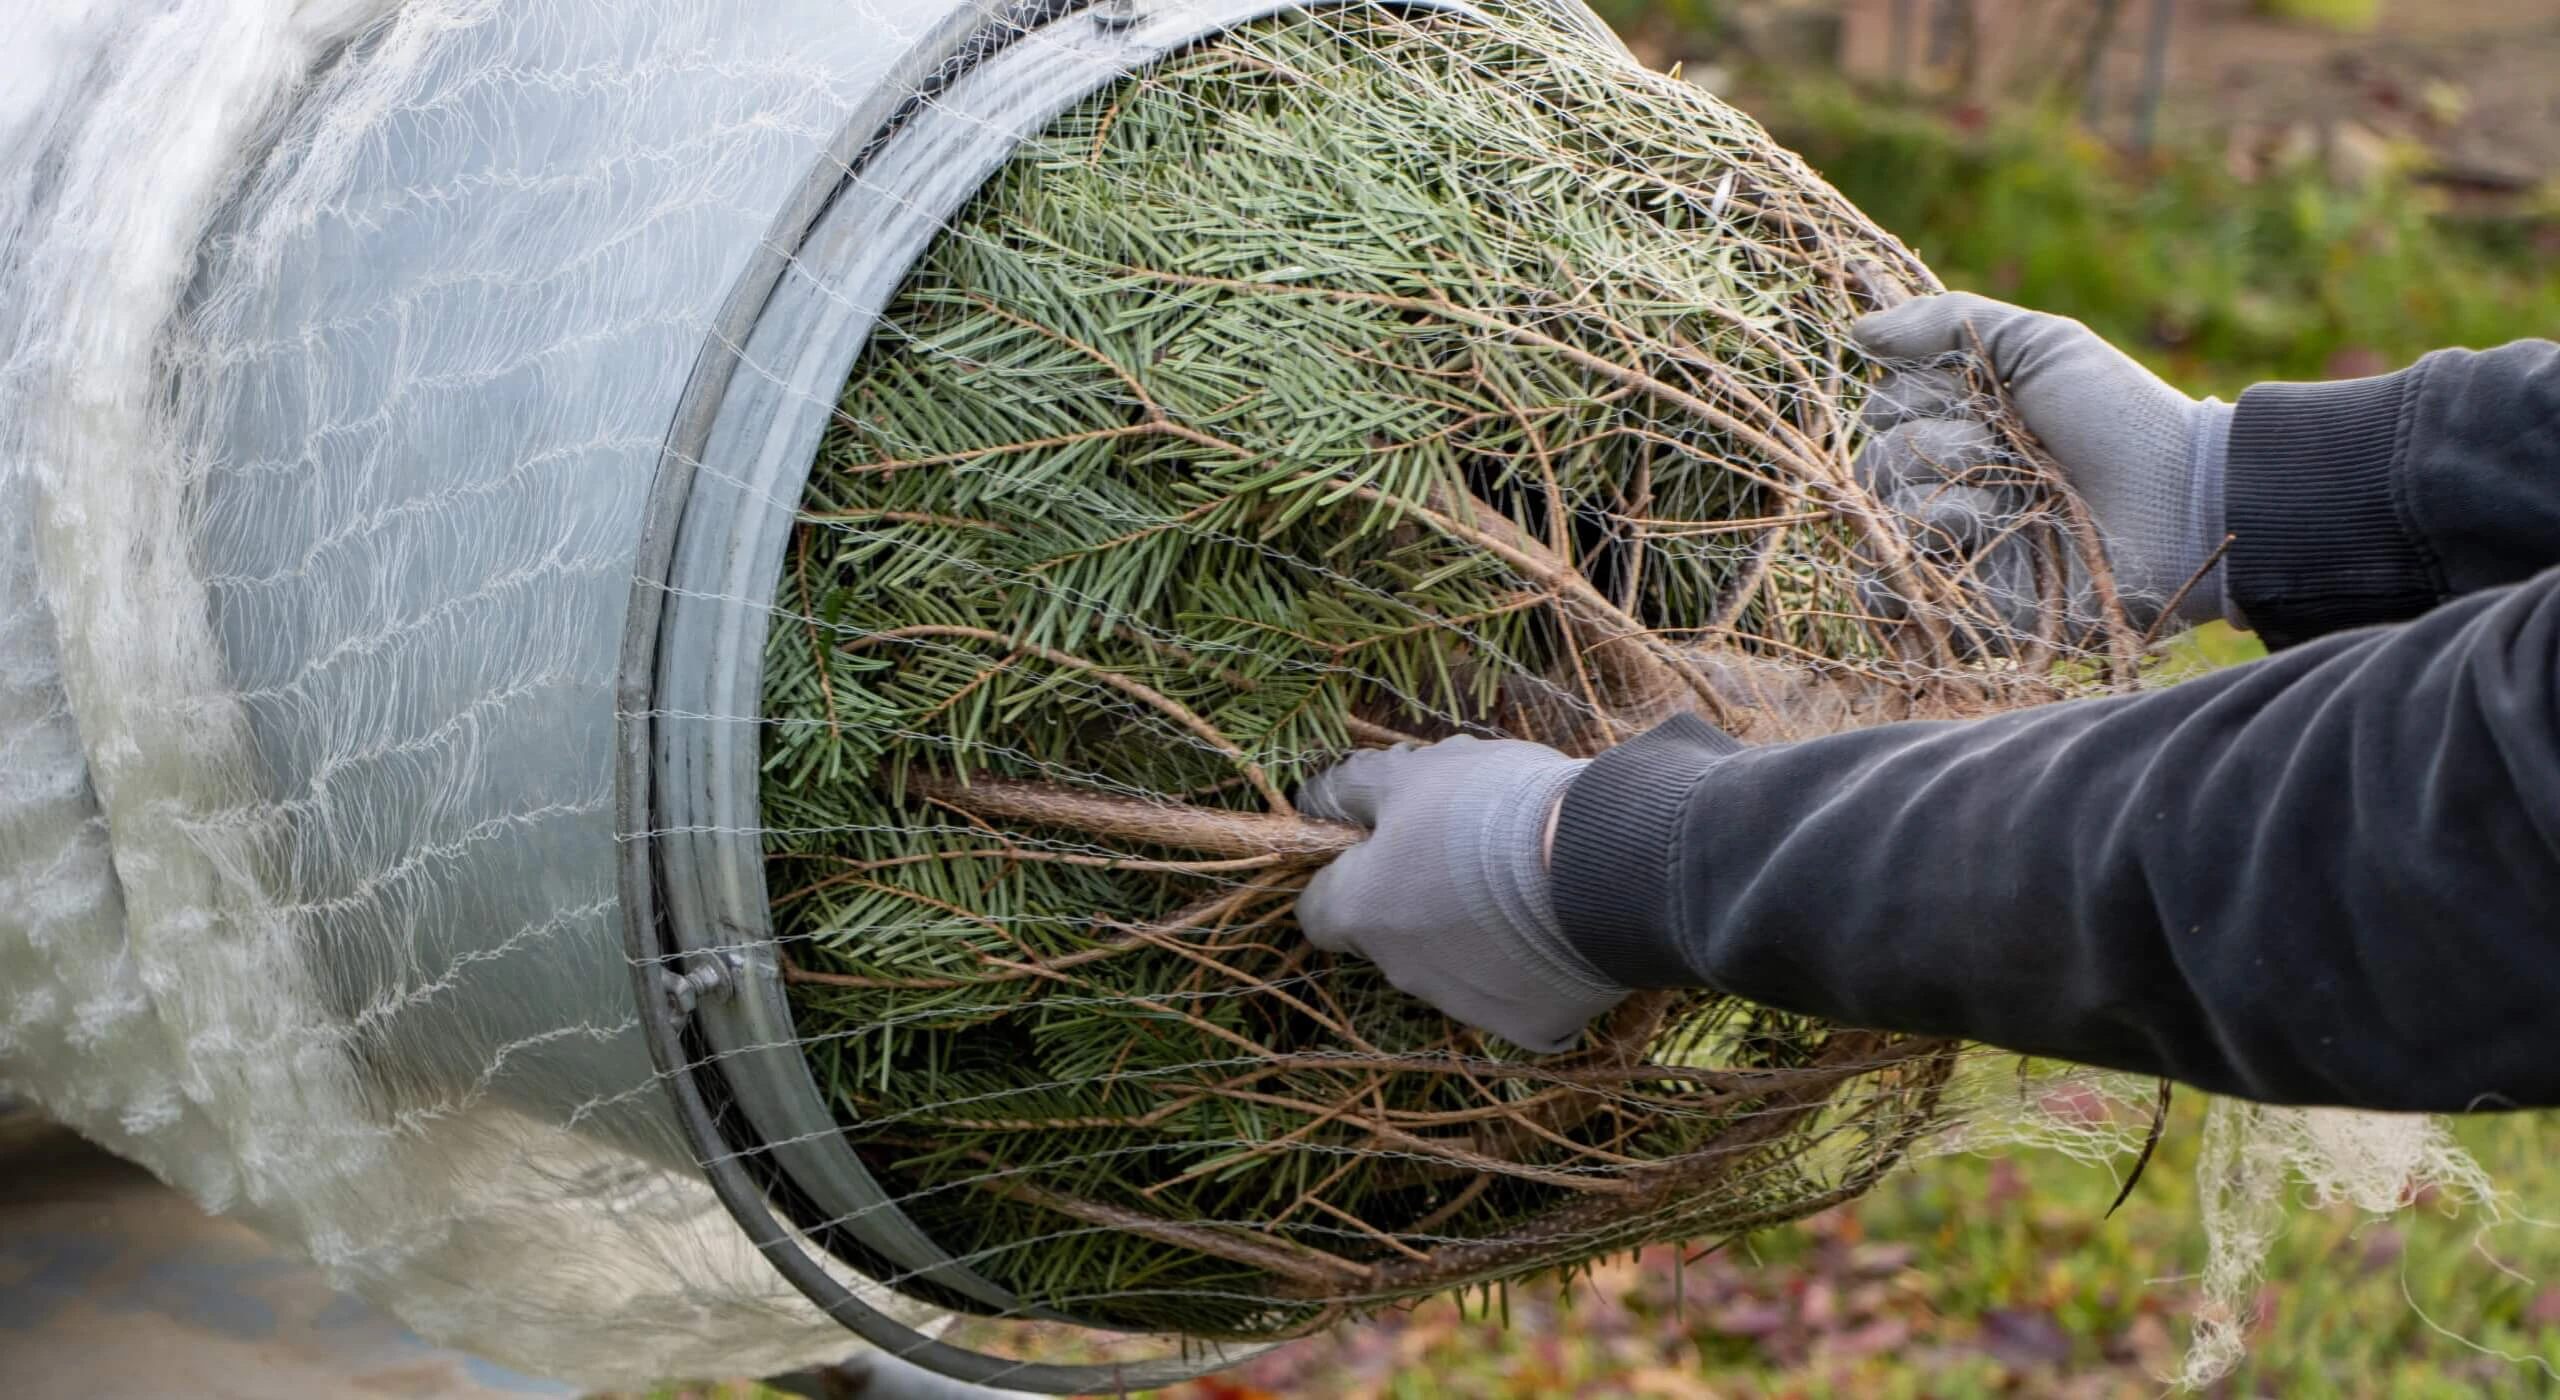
2328	877
2373	500
2332	876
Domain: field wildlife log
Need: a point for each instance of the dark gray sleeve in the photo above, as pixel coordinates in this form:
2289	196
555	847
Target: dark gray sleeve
2373	500
2332	876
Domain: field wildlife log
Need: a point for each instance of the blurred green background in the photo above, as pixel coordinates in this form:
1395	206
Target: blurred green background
2251	189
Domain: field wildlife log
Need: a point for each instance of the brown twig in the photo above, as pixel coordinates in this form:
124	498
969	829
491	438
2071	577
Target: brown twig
1375	735
1295	1263
2168	610
1658	1185
2150	1144
1637	670
1443	1213
1211	830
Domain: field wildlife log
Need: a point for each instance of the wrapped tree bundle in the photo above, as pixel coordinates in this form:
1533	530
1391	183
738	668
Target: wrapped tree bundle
1349	380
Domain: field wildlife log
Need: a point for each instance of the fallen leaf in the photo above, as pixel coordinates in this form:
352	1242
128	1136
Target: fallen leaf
2024	1337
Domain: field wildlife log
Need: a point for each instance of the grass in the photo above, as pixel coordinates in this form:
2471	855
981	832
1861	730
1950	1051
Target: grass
2218	280
2350	15
1979	1276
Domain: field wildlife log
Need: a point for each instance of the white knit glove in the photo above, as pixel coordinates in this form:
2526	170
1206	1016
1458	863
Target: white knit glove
2144	458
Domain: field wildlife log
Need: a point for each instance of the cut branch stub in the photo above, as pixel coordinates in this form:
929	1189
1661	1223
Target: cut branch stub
1177	825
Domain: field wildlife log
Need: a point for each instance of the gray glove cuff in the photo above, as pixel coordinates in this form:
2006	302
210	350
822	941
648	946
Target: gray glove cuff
2209	452
1509	838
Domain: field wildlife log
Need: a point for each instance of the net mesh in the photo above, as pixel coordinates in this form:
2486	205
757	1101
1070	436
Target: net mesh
331	373
1340	381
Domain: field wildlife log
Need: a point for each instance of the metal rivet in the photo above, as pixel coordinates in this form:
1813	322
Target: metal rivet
1115	14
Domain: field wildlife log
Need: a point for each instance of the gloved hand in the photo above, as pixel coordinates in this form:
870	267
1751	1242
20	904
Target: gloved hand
1450	896
2145	459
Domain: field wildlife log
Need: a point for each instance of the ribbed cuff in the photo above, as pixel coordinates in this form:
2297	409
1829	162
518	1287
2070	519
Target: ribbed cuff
1616	873
1519	886
2311	497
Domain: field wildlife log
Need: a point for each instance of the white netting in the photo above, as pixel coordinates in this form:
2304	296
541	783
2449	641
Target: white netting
339	344
329	562
2258	1160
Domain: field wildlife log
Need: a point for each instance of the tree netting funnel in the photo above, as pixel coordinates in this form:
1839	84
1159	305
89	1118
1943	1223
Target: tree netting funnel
651	655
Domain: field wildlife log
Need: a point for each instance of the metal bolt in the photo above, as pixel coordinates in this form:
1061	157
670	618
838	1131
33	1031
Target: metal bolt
707	977
1115	14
